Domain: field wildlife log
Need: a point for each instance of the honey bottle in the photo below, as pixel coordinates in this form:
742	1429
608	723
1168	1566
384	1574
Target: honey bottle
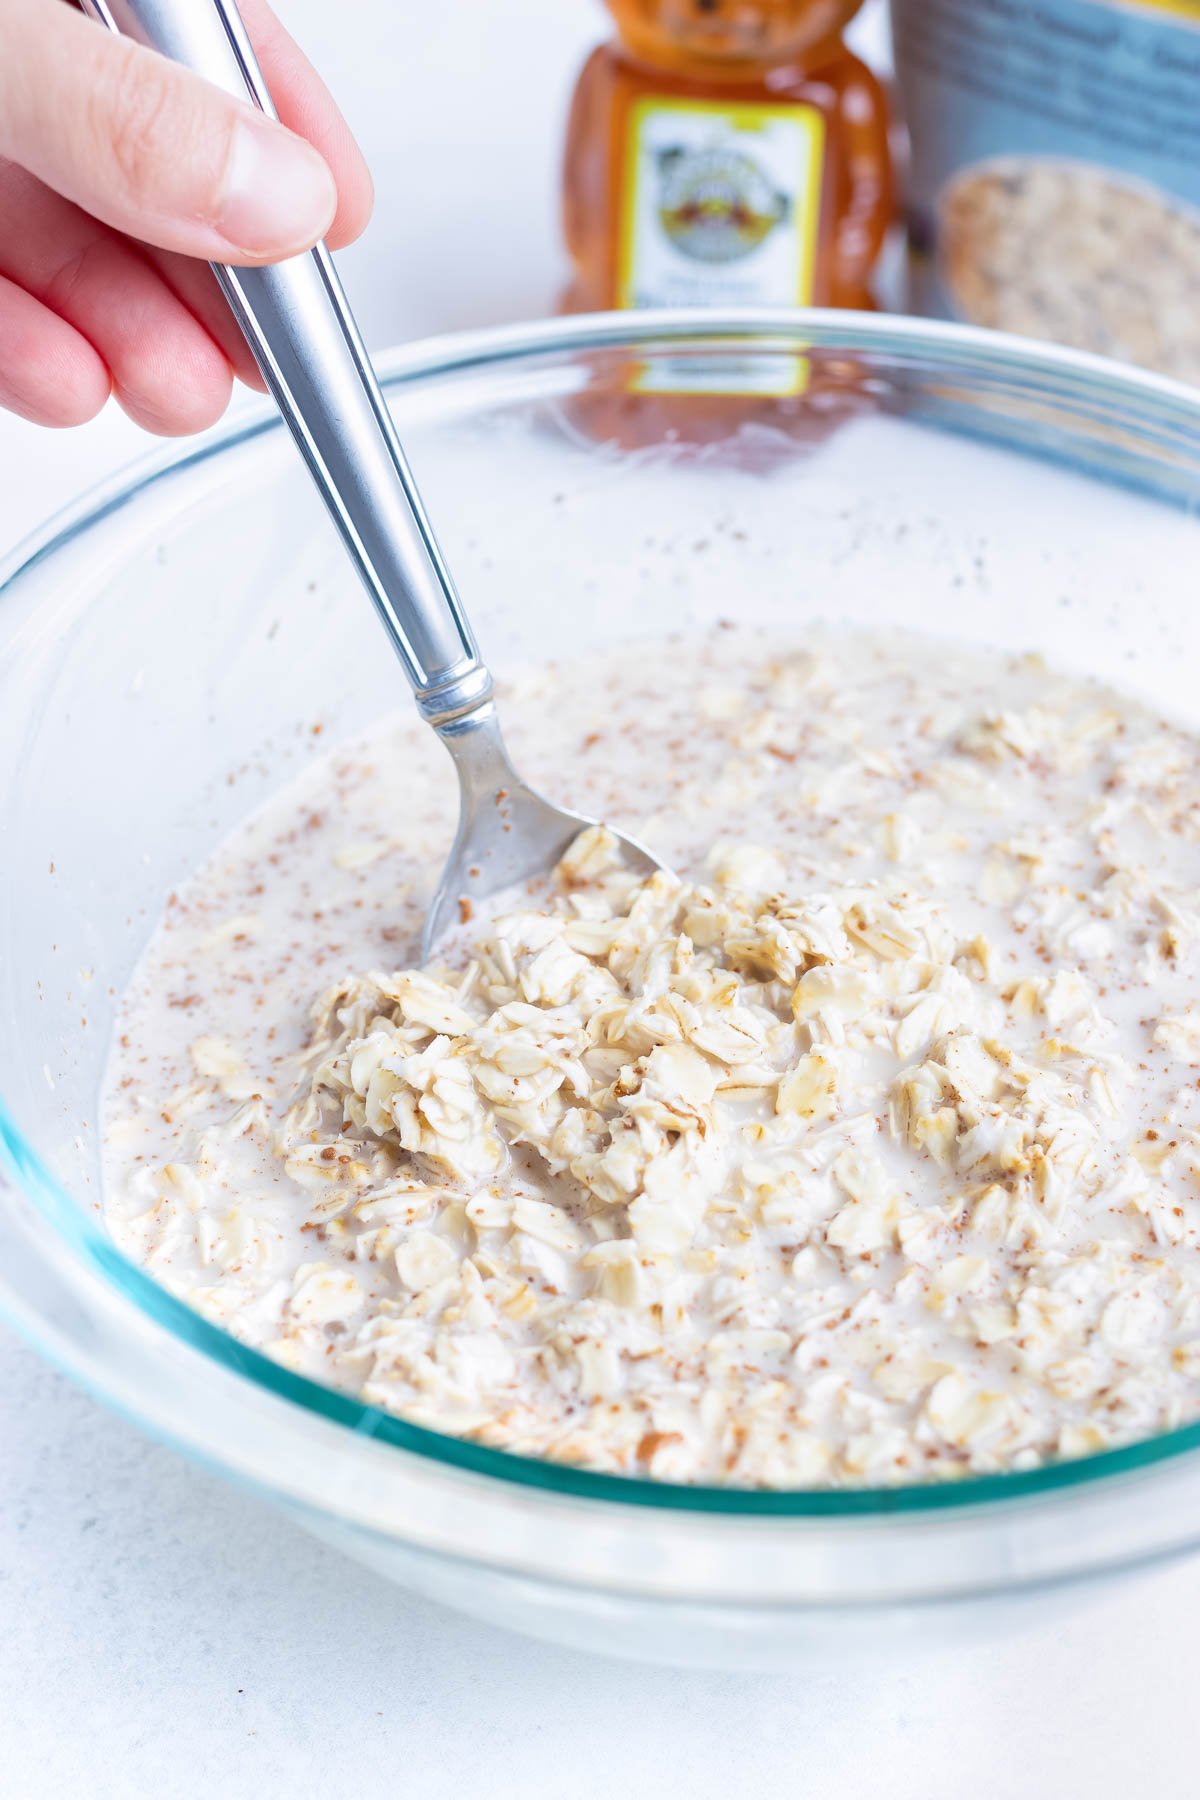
726	153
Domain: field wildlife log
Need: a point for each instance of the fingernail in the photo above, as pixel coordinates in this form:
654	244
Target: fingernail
279	196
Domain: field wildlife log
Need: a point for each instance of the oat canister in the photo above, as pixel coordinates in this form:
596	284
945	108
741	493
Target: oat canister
1055	180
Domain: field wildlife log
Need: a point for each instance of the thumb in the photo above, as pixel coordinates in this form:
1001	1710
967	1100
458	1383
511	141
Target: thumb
151	149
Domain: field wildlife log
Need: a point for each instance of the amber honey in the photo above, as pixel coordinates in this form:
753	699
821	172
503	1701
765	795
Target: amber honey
726	152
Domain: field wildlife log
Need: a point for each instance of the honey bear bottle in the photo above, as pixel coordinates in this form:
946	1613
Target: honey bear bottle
726	153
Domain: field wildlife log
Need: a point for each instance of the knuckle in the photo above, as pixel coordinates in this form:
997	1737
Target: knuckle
138	124
74	276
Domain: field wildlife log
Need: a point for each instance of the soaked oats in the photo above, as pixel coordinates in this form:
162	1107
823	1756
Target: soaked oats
865	1149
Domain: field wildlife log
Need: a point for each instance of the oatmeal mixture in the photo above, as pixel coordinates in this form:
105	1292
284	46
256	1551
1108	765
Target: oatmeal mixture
863	1149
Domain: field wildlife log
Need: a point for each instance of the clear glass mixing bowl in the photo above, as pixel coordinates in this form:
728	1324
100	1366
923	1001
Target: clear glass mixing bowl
165	651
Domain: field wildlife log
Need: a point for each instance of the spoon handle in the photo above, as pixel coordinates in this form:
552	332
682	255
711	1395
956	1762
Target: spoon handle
296	319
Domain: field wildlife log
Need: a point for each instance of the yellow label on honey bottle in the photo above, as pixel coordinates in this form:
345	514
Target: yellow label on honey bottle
720	204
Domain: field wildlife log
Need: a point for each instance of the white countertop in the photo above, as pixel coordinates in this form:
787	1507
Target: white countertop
163	1635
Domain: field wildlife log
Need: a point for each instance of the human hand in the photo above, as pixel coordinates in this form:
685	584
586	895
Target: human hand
121	176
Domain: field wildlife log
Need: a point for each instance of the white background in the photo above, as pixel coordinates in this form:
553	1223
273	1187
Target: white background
162	1635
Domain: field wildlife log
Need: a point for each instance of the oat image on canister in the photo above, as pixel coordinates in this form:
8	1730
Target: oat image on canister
1069	251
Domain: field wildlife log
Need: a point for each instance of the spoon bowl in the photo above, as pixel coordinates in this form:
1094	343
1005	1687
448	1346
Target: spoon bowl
507	834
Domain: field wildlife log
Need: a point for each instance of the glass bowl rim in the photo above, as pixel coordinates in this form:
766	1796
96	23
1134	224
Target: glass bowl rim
1093	377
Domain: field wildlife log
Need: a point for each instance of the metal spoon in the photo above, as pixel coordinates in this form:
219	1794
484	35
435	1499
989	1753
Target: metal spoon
297	322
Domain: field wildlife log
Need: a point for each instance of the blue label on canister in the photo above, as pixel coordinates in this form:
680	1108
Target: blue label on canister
1055	178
